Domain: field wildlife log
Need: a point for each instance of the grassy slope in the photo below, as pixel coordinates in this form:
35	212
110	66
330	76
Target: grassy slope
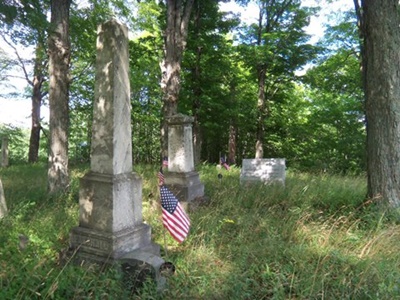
316	238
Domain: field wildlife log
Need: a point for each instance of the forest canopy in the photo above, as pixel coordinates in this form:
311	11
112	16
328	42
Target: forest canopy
260	85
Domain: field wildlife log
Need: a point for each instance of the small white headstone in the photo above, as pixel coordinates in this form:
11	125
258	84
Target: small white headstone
266	170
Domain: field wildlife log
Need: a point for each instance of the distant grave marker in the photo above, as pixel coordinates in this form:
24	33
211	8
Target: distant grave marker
265	170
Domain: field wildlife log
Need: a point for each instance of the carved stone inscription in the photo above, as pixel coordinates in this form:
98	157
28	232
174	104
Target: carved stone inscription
266	170
92	243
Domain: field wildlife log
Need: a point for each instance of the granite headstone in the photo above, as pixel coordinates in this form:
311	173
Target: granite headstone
265	170
182	178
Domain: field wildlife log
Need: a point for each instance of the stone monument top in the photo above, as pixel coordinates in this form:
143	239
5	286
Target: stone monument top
180	119
111	151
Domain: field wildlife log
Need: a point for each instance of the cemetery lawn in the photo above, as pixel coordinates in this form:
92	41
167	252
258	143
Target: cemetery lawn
317	238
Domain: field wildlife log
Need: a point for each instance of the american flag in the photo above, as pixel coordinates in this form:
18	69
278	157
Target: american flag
175	220
165	161
224	164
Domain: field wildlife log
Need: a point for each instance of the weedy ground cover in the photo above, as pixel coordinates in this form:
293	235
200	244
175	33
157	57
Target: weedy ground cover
315	238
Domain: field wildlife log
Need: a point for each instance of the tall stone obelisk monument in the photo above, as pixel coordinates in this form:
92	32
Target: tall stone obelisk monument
110	197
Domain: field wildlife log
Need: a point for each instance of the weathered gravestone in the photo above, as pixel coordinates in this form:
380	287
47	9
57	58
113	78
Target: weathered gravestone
265	170
182	179
111	228
4	152
3	206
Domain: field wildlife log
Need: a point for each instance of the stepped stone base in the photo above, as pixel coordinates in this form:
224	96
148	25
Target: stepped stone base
131	251
185	186
101	247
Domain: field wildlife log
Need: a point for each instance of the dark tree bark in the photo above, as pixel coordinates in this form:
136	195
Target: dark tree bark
37	82
29	29
232	143
262	112
269	18
34	140
382	98
37	95
3	205
59	60
175	36
261	101
197	92
361	32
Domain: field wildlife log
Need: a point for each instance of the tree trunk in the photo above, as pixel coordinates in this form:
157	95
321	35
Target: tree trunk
197	91
4	152
3	205
168	110
232	143
382	96
178	13
261	111
59	59
261	76
34	141
197	140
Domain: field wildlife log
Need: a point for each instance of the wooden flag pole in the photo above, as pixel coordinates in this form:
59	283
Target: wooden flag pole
165	244
159	203
164	229
167	268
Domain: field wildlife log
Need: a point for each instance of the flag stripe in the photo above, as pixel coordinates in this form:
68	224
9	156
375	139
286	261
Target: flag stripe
184	218
180	221
179	238
174	218
165	162
171	224
174	221
224	163
175	231
177	220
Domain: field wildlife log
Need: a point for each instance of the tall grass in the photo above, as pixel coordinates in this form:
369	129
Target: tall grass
315	238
